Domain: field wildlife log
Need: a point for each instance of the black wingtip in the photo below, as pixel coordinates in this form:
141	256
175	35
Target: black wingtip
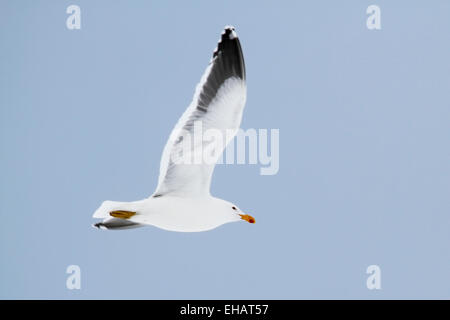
228	34
227	62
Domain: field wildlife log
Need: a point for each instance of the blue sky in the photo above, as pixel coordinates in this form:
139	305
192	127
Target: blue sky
364	173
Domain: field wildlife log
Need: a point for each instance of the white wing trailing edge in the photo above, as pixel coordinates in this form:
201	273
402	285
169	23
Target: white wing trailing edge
218	103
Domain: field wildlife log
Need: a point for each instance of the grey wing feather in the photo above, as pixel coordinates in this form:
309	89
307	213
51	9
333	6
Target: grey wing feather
218	103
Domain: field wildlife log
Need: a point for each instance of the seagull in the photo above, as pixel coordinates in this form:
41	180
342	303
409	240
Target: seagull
182	201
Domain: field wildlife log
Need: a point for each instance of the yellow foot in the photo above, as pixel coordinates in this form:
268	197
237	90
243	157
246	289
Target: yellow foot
122	214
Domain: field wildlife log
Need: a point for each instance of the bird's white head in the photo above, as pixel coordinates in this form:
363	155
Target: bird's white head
237	213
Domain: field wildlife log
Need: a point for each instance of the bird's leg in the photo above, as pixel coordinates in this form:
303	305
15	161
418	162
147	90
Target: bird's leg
122	214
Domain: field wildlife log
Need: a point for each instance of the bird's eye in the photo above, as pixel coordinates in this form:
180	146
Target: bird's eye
234	208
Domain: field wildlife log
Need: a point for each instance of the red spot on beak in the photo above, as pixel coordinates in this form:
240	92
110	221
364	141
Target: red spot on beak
247	218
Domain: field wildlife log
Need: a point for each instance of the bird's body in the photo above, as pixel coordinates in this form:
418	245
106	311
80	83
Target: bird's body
172	213
182	201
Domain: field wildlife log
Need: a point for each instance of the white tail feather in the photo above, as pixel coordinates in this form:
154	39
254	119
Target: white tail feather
106	207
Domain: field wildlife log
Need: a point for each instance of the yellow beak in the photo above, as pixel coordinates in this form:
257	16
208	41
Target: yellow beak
247	218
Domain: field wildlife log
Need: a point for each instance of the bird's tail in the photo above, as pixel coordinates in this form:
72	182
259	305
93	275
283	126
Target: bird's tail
114	217
107	206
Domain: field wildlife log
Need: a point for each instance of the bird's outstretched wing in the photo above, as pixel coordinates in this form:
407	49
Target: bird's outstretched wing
189	157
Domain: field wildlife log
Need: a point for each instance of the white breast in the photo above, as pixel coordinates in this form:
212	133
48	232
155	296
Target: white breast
183	214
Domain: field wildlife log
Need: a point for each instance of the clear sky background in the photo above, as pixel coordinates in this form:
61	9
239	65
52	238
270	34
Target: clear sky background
364	149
